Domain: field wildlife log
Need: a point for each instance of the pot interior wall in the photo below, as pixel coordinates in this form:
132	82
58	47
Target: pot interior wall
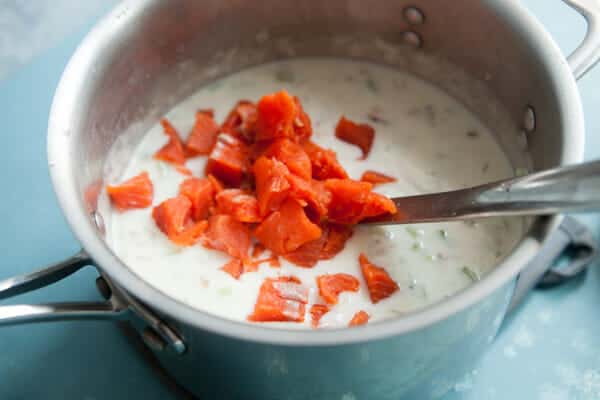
164	51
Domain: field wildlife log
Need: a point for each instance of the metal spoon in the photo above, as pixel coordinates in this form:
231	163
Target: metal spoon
560	190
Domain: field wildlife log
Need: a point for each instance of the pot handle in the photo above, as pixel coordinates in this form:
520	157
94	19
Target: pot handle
118	303
111	309
572	242
588	53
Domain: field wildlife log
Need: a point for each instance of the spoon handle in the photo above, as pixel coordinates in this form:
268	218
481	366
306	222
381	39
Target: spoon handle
568	189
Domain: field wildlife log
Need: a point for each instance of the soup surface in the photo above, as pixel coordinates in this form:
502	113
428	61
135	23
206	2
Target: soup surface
424	138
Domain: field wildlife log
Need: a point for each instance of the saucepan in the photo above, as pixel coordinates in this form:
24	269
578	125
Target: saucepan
147	55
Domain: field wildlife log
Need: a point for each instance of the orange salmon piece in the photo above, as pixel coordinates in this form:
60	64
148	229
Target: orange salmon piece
234	268
330	286
241	121
239	204
332	240
360	318
136	192
203	136
173	218
229	235
173	152
376	178
287	229
201	193
292	155
379	283
316	312
311	194
361	135
228	160
324	162
281	299
352	201
277	113
272	186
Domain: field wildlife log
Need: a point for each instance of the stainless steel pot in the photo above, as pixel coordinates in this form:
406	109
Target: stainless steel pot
147	55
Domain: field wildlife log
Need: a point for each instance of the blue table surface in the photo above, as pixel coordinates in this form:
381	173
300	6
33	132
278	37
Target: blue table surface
549	350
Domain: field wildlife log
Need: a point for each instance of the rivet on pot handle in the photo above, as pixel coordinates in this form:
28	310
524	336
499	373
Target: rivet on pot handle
588	53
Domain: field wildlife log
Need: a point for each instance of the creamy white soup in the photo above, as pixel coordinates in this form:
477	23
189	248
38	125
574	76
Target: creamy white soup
424	138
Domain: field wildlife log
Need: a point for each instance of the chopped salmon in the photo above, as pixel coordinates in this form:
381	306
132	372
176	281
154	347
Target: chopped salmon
208	111
337	236
258	249
173	215
277	113
240	121
238	203
330	286
324	162
203	136
378	204
348	199
267	182
376	178
316	312
201	192
191	234
235	268
361	135
229	235
136	192
360	318
309	253
217	184
311	194
292	155
302	123
273	261
228	160
172	152
352	201
332	240
379	283
272	186
287	229
173	218
183	170
281	299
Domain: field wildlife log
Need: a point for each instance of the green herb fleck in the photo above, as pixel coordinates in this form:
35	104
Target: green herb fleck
224	291
414	232
471	274
431	257
520	171
472	134
285	75
417	246
443	234
371	85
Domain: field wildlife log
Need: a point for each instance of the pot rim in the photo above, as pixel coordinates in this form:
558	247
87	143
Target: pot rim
64	111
